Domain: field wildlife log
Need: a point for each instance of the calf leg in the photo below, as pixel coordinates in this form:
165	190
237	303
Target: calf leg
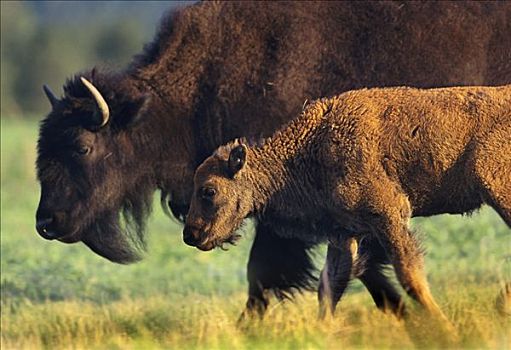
384	294
373	276
409	266
389	213
501	206
497	186
336	274
371	257
493	168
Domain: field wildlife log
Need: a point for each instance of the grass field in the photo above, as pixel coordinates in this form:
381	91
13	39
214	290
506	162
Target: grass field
64	296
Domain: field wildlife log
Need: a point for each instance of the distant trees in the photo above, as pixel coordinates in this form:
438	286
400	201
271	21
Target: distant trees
38	49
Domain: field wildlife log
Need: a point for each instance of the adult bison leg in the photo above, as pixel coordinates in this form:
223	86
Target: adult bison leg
336	274
278	265
373	276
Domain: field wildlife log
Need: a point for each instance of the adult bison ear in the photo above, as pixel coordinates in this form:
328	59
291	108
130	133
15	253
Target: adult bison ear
125	110
132	111
237	159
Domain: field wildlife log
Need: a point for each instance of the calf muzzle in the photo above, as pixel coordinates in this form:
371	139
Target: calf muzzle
191	236
197	238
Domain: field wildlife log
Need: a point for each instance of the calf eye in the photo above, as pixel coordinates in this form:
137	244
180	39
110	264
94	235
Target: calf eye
208	193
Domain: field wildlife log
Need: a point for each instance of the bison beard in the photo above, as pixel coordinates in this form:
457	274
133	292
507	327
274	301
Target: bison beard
120	238
109	241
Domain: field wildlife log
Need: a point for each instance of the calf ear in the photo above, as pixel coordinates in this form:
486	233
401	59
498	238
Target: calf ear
237	159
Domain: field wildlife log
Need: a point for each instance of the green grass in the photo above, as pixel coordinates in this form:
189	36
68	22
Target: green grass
64	296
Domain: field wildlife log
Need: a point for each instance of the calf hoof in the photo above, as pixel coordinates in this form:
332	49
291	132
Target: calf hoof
431	331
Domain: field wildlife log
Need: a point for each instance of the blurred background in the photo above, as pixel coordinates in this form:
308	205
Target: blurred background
44	42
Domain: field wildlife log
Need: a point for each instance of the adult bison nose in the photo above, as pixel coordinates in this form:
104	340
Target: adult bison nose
191	236
44	228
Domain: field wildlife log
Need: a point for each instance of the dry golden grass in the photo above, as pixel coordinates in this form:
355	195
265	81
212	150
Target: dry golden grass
199	322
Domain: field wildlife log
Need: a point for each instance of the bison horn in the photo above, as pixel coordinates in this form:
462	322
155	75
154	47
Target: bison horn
53	99
100	101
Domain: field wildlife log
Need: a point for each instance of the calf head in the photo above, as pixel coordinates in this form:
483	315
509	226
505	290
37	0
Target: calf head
222	198
88	169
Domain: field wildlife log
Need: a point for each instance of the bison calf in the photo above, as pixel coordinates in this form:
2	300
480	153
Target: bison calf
365	162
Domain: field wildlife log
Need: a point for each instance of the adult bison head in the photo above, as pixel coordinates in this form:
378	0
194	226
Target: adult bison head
95	183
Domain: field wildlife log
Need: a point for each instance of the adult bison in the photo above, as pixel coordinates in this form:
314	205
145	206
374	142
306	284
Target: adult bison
216	71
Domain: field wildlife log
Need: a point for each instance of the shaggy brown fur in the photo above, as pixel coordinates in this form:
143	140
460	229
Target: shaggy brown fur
367	161
216	71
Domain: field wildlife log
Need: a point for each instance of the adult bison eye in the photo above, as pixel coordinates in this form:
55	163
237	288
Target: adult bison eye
208	193
84	150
